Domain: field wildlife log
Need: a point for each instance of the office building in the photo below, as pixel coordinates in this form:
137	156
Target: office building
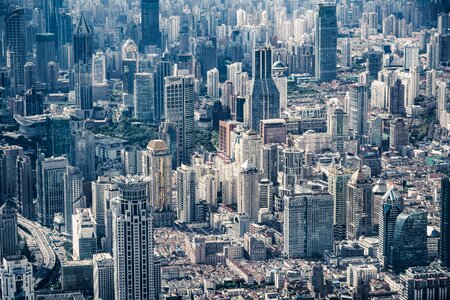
186	194
99	188
292	168
50	187
326	42
144	101
389	211
45	52
409	248
82	153
425	283
338	128
358	109
83	41
308	224
337	186
151	35
16	278
359	206
273	131
15	42
58	135
132	221
103	276
83	86
396	98
8	172
163	69
269	162
346	53
179	112
444	244
281	81
410	56
25	187
34	103
73	195
373	62
398	135
264	101
8	230
157	164
84	237
247	190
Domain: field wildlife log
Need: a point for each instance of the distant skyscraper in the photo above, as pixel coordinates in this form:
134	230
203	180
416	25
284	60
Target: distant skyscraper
144	97
308	224
157	163
8	230
84	237
186	194
264	102
338	128
409	247
373	62
8	172
396	100
150	24
163	69
45	52
83	86
359	206
326	42
410	56
431	83
269	162
247	190
50	187
444	244
15	44
103	276
34	103
179	112
292	168
358	101
346	53
83	42
337	187
212	83
389	211
58	135
73	195
25	187
99	188
82	153
398	135
132	221
16	278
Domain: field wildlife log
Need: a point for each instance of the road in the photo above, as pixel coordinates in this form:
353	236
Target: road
49	258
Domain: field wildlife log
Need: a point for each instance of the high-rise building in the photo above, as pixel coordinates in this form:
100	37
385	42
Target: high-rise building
16	278
359	206
346	53
358	108
83	41
292	168
444	244
98	67
425	283
34	103
248	148
398	135
50	187
326	42
389	211
212	83
83	86
179	112
30	73
151	35
129	65
186	194
157	163
99	188
58	135
247	190
264	101
84	237
396	98
133	240
373	62
409	248
431	83
163	69
308	224
15	44
8	172
45	52
144	97
273	131
82	153
103	276
281	81
338	128
8	230
73	195
410	56
269	162
337	186
25	187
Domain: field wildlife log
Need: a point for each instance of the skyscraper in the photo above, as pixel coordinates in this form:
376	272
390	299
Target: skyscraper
151	35
326	42
8	172
444	245
358	100
264	101
338	128
359	209
45	52
292	168
15	44
58	135
308	224
144	97
8	230
186	194
179	112
390	210
83	42
163	69
73	195
83	86
247	190
25	187
103	276
212	83
133	240
84	237
50	187
409	247
157	163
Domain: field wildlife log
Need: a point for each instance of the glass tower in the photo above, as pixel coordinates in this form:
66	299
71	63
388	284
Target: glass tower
326	42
